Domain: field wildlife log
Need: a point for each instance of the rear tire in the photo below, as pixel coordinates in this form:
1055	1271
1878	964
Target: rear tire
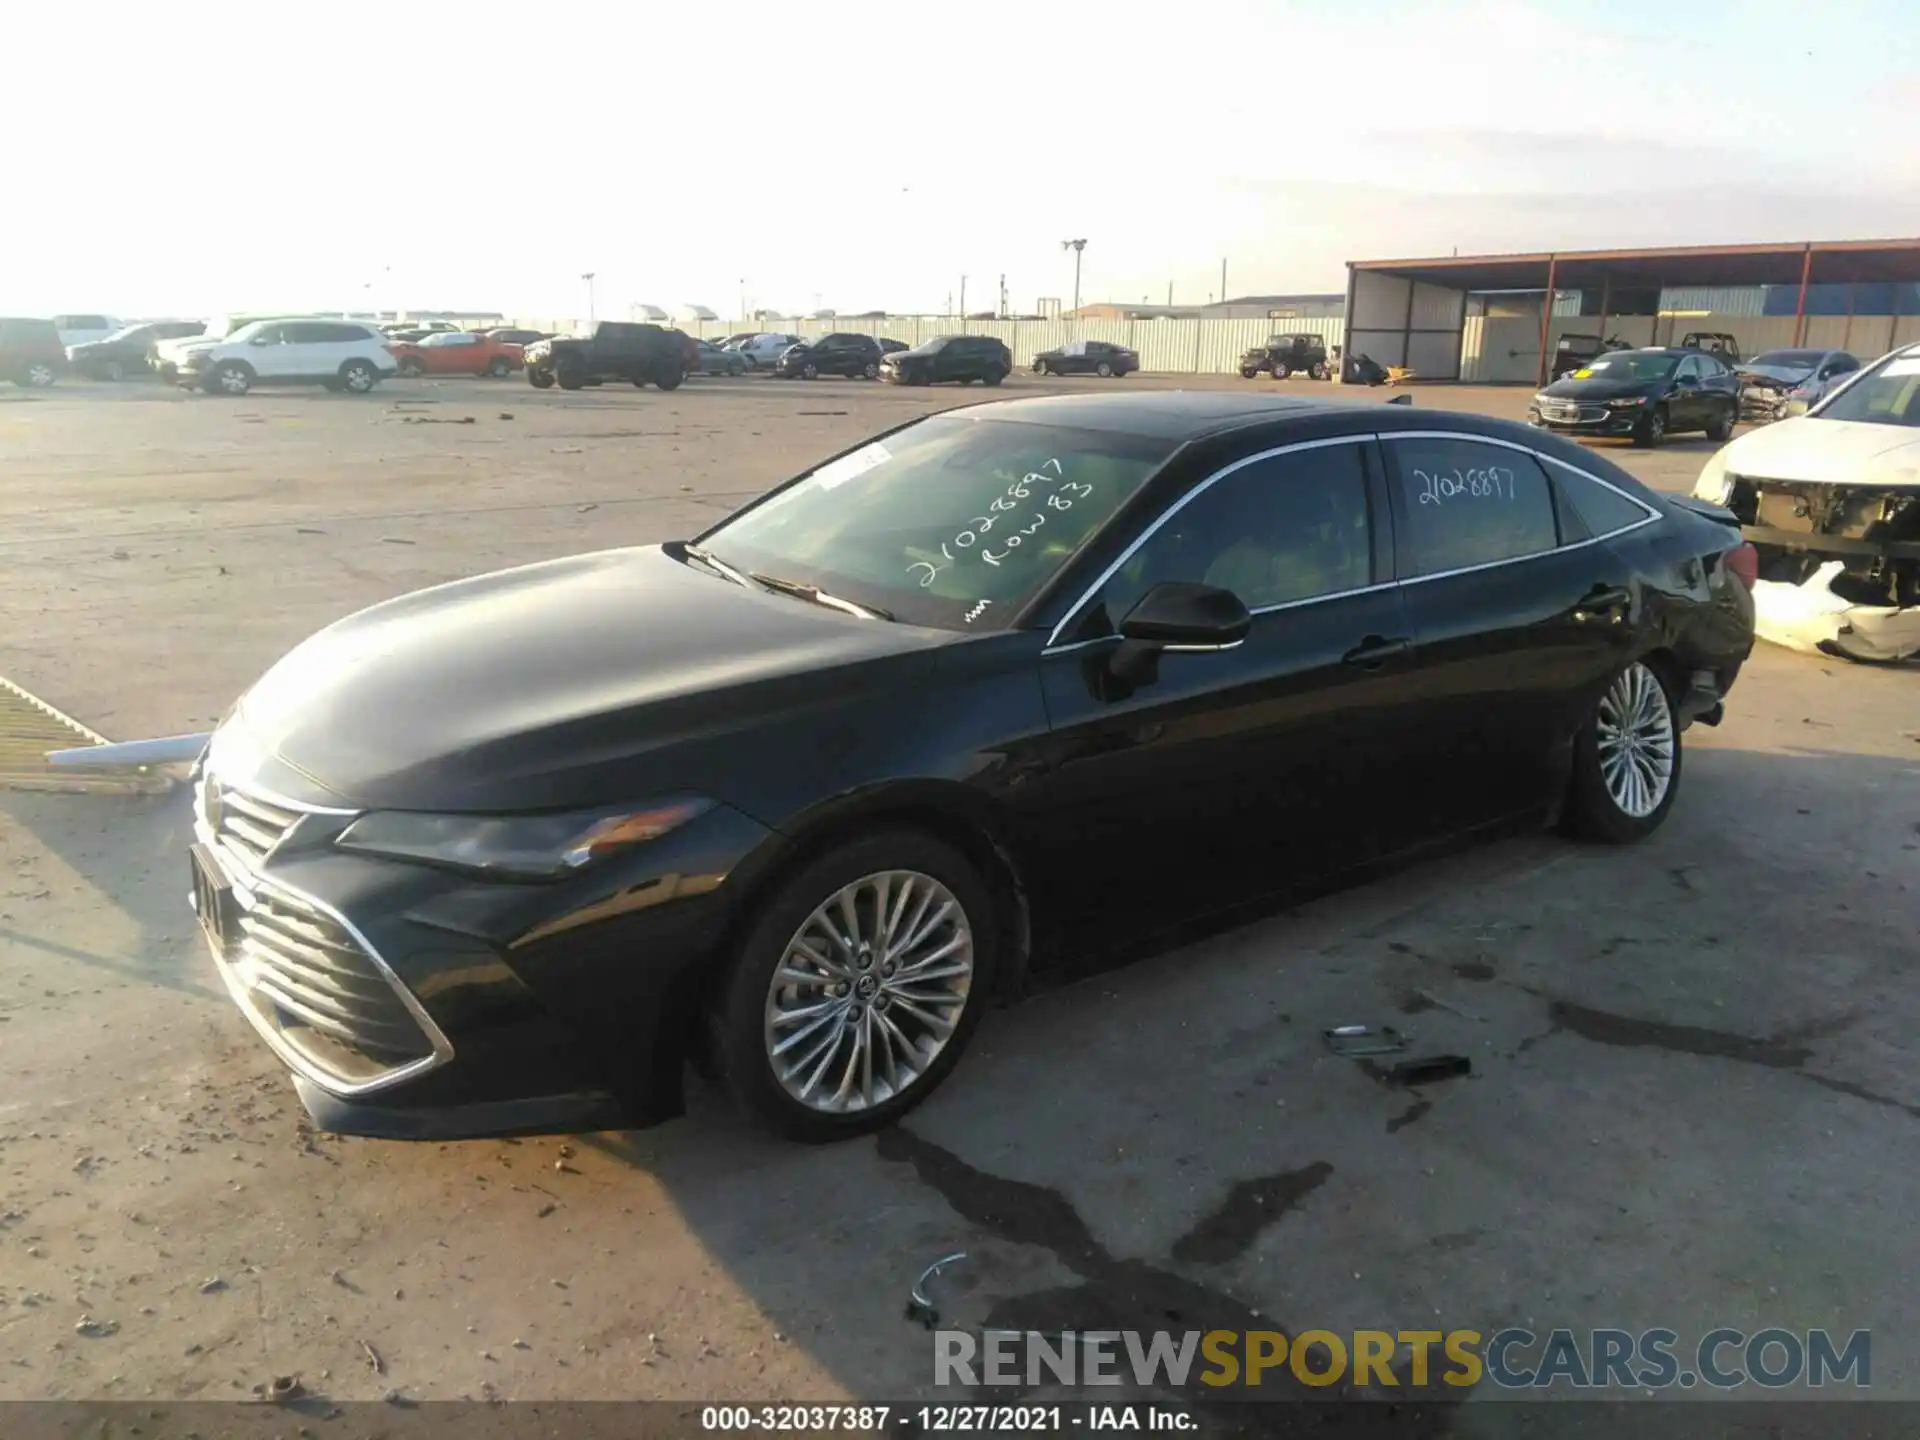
499	367
569	378
1280	370
539	379
113	370
740	1025
36	376
1651	429
1626	760
1721	430
411	369
357	377
1318	372
994	377
669	378
1103	370
1247	372
871	371
809	371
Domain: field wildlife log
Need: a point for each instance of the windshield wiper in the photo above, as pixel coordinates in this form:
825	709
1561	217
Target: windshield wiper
716	564
821	597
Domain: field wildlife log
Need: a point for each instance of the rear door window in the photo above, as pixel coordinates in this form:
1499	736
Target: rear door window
1462	503
1590	508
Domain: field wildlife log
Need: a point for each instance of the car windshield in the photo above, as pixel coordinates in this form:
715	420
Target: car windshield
1627	366
953	522
127	332
931	347
1784	364
1888	395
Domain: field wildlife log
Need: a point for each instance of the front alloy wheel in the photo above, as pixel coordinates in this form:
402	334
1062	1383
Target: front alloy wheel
1652	428
1626	761
858	987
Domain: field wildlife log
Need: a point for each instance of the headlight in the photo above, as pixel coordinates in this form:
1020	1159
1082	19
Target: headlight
521	847
1715	483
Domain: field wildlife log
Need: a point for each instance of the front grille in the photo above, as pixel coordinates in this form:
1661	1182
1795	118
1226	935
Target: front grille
310	986
245	826
322	992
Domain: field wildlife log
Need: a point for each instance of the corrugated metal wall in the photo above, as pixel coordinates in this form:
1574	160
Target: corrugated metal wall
1507	350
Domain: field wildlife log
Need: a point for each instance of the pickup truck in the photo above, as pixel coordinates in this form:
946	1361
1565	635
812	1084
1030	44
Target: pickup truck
617	350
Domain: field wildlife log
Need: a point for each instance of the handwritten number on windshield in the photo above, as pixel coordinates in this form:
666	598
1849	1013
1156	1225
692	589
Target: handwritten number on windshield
1060	499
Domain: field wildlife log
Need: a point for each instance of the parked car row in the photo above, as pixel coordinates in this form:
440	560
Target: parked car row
1782	383
1644	395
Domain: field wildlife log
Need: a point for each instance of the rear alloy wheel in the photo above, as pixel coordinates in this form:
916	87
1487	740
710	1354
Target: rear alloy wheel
1247	372
1652	428
858	987
871	371
229	378
357	377
809	371
37	376
1280	370
499	366
1626	760
1103	370
1317	371
1040	367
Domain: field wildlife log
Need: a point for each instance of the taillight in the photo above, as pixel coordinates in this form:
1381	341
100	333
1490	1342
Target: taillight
1743	560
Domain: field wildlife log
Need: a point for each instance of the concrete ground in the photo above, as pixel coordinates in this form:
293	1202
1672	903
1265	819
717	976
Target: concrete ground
1693	1097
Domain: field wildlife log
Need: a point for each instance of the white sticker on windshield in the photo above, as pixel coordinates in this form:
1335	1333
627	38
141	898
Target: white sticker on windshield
1903	367
1598	364
849	467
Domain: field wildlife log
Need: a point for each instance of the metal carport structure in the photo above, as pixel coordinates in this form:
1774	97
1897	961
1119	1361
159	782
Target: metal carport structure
1414	312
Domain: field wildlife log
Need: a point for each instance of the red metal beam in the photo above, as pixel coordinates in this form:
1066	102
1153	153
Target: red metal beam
1800	305
1546	321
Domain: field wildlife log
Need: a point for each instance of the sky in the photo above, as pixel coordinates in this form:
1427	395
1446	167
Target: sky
855	155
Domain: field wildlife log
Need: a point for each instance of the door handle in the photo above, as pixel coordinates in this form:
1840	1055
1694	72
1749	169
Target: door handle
1603	602
1374	651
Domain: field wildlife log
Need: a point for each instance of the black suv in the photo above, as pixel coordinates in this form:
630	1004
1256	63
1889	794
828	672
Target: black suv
949	357
617	350
1283	355
124	352
854	356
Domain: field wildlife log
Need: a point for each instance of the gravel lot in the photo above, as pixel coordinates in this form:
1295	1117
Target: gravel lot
1694	1091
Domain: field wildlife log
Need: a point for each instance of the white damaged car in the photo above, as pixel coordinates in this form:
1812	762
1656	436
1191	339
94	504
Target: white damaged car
1831	501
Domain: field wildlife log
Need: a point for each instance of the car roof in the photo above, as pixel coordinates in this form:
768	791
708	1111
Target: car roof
1161	414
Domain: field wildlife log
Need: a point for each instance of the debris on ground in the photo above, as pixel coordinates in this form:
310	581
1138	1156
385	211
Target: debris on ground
1427	1071
96	1329
280	1389
1351	1041
394	540
374	1362
920	1306
435	420
1452	1009
545	1210
213	1284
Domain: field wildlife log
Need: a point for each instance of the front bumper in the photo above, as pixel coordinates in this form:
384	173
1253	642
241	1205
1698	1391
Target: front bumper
1811	618
416	1003
1587	420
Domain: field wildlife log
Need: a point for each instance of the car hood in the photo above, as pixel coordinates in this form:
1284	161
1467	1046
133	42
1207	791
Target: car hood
568	683
1591	390
1829	452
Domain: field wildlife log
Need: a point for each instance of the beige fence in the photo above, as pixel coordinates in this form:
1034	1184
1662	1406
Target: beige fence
1183	347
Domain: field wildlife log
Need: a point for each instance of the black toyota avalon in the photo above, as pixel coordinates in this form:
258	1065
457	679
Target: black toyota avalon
795	799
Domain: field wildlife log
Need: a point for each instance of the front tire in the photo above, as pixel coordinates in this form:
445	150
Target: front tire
113	371
539	379
870	370
1103	370
809	371
37	376
1721	430
569	378
229	378
994	377
1317	372
411	369
1652	428
669	378
499	367
857	988
1626	760
1280	370
1247	372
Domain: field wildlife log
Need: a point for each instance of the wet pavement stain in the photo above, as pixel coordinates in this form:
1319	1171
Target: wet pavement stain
1608	1029
1250	1207
1117	1294
1406	1117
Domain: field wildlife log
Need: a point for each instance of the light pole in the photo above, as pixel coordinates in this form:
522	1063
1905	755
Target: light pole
588	277
1076	246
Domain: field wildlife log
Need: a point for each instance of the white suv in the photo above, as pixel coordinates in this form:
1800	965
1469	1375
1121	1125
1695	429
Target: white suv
345	355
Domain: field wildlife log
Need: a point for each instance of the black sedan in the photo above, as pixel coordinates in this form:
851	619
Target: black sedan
1645	395
854	356
1009	684
124	352
1087	357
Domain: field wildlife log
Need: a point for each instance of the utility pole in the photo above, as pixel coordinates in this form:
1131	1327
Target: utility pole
963	297
1076	246
1169	294
1003	297
1223	279
743	297
588	277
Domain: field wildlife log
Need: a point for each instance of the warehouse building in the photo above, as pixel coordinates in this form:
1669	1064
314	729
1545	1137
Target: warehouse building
1485	318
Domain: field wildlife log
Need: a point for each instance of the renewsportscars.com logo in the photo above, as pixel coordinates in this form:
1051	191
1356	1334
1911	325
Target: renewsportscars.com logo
1511	1359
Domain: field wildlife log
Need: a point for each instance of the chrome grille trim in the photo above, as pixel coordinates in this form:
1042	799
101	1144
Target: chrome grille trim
298	956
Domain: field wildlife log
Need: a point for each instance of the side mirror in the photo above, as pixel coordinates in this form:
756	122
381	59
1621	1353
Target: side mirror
1180	617
1686	381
